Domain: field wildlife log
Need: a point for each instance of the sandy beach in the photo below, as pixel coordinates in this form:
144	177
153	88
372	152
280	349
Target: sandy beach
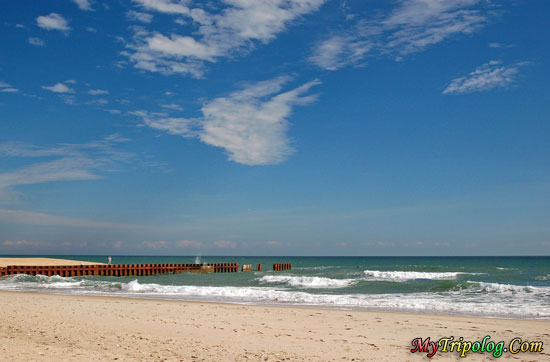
41	262
46	327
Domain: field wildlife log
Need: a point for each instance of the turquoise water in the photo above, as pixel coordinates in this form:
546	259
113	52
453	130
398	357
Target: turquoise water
515	287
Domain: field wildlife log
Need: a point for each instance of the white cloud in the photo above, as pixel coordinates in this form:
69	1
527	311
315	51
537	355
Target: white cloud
172	106
91	30
83	4
485	77
224	244
139	16
6	88
42	219
500	45
36	41
59	88
339	51
250	124
96	92
234	29
21	243
174	126
276	244
190	244
165	6
410	27
53	22
72	162
160	244
99	101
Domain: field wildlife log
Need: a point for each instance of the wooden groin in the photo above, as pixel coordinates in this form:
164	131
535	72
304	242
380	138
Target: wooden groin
279	267
117	270
120	270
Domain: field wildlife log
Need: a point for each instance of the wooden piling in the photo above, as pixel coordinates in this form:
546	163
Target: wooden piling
121	270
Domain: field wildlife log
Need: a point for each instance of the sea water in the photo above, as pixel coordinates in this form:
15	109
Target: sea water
511	287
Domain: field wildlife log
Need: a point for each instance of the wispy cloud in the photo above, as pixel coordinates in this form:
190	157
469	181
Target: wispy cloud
339	51
53	21
36	42
139	16
250	124
159	244
224	244
96	92
485	77
166	6
235	29
59	88
410	27
70	162
190	244
19	243
6	88
83	4
501	45
172	106
42	219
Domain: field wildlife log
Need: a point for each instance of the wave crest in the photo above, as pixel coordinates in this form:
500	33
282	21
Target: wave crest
307	282
409	275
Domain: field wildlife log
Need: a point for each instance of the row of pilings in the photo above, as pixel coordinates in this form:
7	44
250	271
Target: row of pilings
120	270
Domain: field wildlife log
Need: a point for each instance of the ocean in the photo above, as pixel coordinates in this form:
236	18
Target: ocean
509	287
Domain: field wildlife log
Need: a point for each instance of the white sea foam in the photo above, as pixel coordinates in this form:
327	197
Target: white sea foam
543	277
319	267
486	299
399	276
511	289
307	281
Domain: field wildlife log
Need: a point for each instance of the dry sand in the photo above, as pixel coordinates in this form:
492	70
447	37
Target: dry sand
41	262
48	327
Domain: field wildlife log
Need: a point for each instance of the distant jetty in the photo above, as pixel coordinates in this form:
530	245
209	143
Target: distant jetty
72	268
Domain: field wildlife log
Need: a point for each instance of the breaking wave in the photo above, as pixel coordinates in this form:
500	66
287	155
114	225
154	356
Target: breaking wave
409	275
476	298
306	281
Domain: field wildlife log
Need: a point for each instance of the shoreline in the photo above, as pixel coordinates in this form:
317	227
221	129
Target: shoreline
40	326
272	305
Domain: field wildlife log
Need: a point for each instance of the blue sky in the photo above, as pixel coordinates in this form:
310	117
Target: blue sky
283	127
